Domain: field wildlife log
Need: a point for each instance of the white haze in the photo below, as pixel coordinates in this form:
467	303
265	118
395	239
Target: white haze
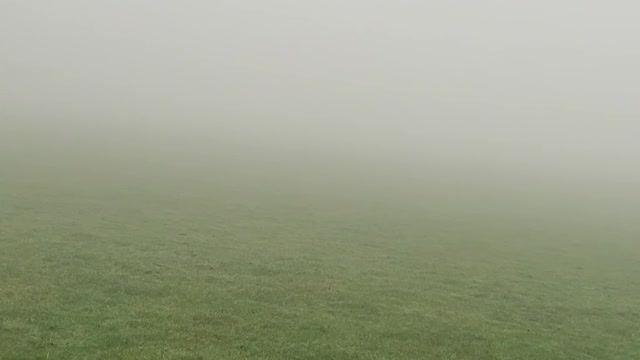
539	90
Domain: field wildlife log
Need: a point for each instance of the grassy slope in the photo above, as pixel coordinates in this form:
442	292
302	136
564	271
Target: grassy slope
134	268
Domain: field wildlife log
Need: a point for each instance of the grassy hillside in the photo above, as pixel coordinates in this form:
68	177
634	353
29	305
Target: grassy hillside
128	263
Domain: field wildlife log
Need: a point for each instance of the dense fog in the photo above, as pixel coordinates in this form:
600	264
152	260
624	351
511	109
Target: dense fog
410	95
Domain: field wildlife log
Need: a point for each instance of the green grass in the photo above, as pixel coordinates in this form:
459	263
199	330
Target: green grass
134	268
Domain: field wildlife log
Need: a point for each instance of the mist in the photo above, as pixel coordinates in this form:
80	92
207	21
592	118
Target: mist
493	94
293	179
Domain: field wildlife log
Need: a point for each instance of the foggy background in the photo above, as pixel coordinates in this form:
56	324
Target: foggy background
408	94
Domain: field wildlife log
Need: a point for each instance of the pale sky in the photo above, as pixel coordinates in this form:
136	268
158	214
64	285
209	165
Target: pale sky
549	84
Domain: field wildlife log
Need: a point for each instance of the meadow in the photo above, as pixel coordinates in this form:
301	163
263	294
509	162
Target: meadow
100	263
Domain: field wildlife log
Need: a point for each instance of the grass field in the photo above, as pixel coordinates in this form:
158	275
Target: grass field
129	267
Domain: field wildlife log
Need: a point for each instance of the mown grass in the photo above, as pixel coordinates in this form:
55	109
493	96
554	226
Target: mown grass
137	270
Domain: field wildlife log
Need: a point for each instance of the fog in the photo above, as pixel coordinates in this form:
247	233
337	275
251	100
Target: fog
491	92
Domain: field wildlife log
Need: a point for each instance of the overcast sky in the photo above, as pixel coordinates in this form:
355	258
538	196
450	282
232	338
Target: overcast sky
549	83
